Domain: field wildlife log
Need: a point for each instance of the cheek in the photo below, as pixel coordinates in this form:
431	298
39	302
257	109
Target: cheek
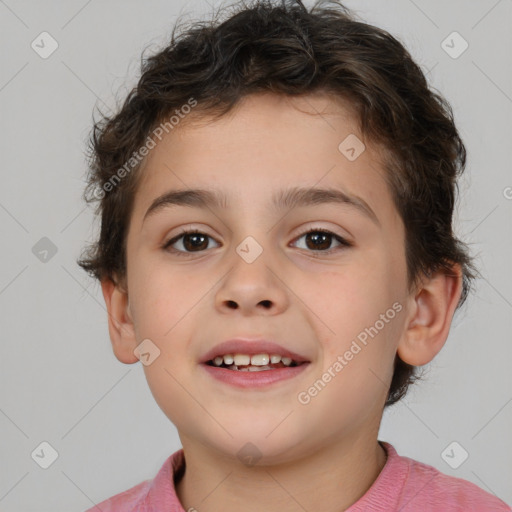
165	312
360	324
348	300
356	368
169	389
160	297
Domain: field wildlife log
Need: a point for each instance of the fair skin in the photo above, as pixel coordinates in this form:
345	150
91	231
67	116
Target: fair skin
308	301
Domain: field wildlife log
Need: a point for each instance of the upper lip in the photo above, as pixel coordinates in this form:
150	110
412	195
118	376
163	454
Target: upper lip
250	347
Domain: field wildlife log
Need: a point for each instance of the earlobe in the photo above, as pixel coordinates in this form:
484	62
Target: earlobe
432	313
120	322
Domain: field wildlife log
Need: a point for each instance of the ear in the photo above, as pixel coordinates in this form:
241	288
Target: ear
431	316
120	322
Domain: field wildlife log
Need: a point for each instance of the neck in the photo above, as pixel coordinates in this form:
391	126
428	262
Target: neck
340	473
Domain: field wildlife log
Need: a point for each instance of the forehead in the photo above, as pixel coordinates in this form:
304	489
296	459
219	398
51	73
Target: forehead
267	143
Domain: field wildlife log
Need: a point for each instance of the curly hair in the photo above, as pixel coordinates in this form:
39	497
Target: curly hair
286	49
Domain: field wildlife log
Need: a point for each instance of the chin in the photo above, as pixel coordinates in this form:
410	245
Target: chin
252	445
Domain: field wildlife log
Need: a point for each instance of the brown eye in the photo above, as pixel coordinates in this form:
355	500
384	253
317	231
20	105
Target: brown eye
191	241
320	240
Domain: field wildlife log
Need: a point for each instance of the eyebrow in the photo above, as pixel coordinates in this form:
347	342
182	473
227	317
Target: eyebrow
294	197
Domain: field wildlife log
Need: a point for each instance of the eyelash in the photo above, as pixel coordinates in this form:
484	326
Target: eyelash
344	243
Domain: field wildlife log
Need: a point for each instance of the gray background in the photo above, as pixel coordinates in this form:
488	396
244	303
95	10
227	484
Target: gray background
59	379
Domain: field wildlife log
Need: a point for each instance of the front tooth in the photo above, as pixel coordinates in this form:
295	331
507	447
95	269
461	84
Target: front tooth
242	359
275	358
286	361
260	359
228	359
218	361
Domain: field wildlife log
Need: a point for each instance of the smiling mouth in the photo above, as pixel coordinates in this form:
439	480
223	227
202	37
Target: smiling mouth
253	363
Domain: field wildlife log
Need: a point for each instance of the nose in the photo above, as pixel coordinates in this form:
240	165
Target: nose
252	289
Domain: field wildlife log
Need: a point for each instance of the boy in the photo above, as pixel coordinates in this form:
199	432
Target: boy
276	248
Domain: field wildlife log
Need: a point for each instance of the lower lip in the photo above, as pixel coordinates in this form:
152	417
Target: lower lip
254	379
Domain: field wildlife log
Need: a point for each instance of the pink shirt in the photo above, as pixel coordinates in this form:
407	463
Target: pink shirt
403	484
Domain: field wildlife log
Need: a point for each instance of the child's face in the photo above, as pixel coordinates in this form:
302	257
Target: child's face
310	302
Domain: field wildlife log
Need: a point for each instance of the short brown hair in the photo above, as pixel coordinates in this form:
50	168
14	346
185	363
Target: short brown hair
286	49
